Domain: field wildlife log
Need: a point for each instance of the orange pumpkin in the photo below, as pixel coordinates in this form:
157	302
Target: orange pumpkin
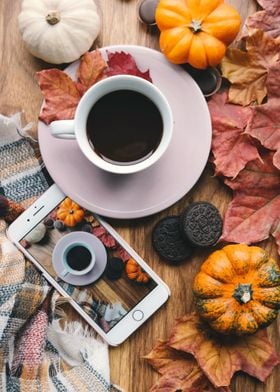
238	289
196	31
135	272
70	212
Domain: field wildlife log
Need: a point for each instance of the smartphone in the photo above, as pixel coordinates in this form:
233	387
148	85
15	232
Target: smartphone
88	262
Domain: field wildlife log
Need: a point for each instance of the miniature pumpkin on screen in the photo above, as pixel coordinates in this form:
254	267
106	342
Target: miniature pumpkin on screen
59	31
70	213
37	234
238	289
135	272
196	31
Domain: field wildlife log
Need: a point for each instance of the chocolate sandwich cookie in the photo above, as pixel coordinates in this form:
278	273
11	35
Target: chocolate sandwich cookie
169	242
201	224
114	269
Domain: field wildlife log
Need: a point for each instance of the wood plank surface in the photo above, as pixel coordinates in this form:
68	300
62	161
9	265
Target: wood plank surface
19	90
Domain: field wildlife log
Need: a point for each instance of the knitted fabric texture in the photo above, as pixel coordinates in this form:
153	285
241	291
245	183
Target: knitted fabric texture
33	352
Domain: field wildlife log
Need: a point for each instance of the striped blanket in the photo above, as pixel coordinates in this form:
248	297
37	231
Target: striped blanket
36	353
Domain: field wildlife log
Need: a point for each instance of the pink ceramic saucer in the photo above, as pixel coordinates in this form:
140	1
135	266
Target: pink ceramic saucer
156	188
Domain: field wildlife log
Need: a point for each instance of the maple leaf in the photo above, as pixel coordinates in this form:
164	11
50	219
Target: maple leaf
61	95
122	254
180	371
254	212
221	356
267	20
106	238
121	63
265	122
231	147
91	69
247	71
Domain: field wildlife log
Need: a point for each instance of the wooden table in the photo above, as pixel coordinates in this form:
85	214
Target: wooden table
19	90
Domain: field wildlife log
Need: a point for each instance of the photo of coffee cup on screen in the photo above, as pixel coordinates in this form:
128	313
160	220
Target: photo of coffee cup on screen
88	263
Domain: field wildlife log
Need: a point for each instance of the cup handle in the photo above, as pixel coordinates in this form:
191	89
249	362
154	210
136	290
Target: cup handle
63	129
64	272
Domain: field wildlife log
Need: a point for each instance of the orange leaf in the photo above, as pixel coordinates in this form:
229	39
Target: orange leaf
247	71
91	69
179	371
221	356
61	95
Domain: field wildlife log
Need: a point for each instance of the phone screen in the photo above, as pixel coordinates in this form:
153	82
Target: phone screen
107	282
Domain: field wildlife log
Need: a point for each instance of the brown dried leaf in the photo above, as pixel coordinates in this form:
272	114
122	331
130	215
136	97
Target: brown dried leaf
267	20
179	371
61	95
231	147
247	71
221	356
254	212
91	70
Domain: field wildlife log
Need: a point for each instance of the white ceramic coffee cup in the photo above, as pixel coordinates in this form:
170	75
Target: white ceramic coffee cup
67	269
76	129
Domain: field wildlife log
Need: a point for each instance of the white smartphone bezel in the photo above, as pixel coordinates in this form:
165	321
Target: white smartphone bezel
126	326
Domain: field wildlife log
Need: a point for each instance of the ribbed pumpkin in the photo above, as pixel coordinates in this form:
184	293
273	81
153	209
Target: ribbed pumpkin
238	289
196	31
135	272
70	213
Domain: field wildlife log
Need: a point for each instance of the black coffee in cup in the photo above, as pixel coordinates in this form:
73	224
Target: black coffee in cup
124	127
78	257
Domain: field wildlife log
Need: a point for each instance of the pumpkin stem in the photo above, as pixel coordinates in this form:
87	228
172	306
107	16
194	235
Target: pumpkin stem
195	25
243	293
53	17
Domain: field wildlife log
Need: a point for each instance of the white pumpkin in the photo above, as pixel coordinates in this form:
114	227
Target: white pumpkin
37	234
59	31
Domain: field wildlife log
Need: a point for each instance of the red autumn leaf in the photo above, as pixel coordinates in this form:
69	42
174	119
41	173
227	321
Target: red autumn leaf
123	254
267	20
254	212
61	95
91	70
180	371
265	122
120	63
231	147
221	356
105	237
98	231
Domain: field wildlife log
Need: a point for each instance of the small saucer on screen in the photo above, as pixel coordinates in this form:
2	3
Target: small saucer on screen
98	248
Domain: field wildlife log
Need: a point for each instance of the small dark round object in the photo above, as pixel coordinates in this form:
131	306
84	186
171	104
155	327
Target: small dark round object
209	80
49	223
114	269
59	225
147	10
87	228
169	242
116	264
201	224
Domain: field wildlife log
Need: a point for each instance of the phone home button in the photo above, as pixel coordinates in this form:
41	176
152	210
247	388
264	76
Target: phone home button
138	315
